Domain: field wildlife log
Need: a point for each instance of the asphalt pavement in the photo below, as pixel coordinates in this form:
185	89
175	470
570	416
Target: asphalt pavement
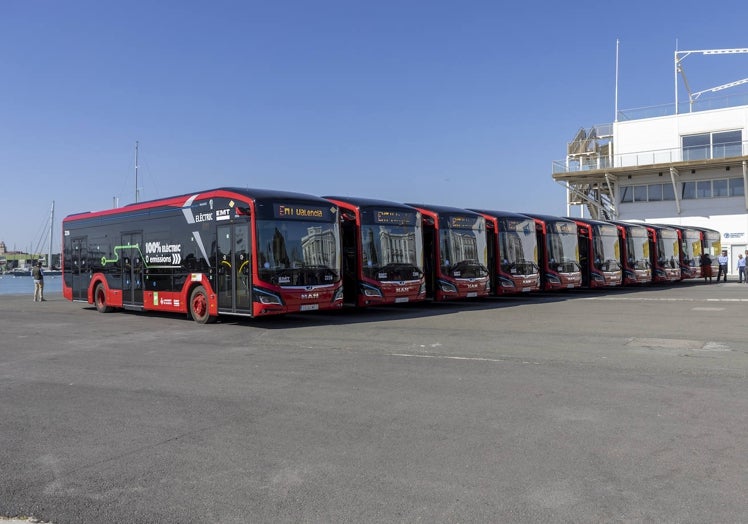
624	405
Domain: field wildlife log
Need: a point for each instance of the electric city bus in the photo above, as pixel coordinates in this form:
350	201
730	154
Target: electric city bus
455	252
382	246
599	253
664	253
558	252
634	239
512	252
711	244
231	251
690	251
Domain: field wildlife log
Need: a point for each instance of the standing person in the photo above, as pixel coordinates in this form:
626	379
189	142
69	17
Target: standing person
722	261
706	266
741	269
38	276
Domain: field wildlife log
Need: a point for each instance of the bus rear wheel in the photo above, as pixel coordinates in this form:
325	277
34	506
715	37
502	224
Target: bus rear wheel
199	306
100	299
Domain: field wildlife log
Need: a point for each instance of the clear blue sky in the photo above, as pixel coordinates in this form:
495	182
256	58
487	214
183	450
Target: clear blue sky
462	103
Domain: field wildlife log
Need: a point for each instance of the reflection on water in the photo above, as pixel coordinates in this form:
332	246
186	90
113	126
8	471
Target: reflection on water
10	285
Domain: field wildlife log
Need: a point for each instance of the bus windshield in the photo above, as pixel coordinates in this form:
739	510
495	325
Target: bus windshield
463	246
637	244
563	247
298	252
668	252
519	245
391	244
691	247
607	250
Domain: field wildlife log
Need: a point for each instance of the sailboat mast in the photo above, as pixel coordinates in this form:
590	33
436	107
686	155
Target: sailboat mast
51	235
136	171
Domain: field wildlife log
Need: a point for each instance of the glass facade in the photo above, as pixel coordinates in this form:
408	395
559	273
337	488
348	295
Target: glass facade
718	188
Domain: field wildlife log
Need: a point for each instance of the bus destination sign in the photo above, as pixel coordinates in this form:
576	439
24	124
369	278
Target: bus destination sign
304	212
463	221
394	217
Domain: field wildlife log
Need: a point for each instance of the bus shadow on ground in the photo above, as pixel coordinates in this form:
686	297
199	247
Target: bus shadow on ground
426	309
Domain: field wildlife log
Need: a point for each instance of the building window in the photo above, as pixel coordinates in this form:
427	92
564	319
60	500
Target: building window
712	145
704	189
736	187
655	192
640	193
695	147
726	144
627	194
719	188
688	191
668	193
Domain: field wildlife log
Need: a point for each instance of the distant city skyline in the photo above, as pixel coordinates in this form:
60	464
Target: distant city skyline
460	104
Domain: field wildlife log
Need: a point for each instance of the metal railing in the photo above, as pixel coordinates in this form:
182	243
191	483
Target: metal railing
702	104
651	157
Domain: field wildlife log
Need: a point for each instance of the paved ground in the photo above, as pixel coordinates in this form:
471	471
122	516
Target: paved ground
620	406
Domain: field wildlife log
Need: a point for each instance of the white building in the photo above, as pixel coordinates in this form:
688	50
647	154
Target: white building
683	164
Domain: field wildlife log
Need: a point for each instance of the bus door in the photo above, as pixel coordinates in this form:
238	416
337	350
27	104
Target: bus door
131	260
351	260
234	268
80	272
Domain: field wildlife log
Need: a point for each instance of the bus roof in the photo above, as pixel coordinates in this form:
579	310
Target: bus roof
591	221
446	210
547	218
501	214
249	193
370	202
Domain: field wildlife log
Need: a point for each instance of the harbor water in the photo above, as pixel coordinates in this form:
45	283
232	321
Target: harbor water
13	285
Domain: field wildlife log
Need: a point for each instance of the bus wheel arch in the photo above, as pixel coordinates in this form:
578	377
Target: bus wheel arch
99	299
199	306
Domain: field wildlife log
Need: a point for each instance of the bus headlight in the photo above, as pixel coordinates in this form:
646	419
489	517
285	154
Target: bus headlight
447	287
338	294
506	282
266	297
422	289
598	277
370	291
553	279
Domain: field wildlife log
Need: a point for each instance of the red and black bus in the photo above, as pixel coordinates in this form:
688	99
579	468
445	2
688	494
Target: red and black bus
512	252
711	244
599	253
635	259
664	253
230	251
558	252
382	246
690	251
455	252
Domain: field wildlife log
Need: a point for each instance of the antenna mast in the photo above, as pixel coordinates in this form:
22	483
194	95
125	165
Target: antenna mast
51	234
136	171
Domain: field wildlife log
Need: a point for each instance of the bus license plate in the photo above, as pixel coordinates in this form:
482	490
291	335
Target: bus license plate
570	286
526	289
472	294
399	300
309	307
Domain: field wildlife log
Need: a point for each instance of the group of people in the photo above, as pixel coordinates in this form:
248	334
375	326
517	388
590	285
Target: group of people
723	261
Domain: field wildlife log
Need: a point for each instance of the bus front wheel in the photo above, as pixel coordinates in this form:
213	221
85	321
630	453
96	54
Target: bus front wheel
100	299
199	306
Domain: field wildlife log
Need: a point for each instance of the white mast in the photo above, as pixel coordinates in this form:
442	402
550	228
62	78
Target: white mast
51	235
615	116
136	171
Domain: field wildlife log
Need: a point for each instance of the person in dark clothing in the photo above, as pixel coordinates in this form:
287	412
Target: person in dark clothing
38	276
706	266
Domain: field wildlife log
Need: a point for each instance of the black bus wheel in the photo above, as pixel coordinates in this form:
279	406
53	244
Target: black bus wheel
199	306
100	299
